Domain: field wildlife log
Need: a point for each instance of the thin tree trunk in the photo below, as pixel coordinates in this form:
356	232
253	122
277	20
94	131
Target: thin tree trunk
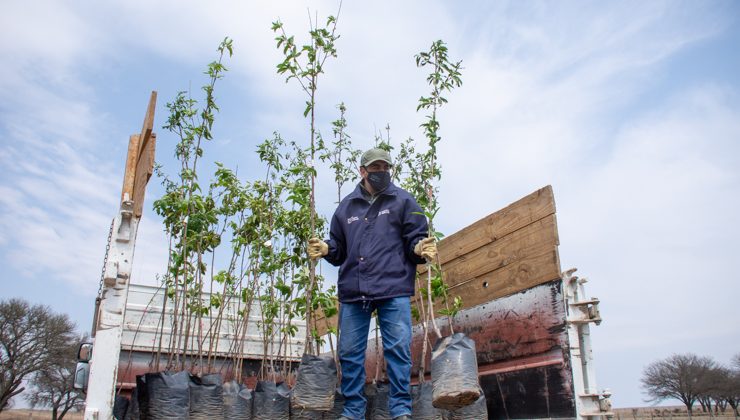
430	303
199	316
425	333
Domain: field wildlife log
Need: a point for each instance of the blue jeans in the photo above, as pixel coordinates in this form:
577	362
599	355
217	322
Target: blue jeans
394	318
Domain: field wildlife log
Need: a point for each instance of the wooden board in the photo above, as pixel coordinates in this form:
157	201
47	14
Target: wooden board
506	252
516	215
144	170
513	278
132	157
527	241
140	159
148	124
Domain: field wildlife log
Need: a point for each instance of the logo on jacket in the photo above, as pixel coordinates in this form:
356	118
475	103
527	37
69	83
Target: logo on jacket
382	212
352	219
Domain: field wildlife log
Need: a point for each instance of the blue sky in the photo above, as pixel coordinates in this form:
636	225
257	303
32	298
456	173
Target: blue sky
630	110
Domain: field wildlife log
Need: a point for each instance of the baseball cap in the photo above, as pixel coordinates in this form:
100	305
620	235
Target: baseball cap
375	154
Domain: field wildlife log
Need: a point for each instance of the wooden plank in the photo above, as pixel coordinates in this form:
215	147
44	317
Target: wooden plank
140	158
515	216
508	280
144	170
148	125
523	242
129	173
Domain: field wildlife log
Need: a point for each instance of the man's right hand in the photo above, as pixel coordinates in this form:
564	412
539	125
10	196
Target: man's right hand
317	248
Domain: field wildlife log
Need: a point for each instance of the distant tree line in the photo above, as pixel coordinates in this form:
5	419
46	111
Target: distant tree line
690	379
38	348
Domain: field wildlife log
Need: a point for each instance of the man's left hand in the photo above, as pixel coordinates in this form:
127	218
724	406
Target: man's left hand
426	248
317	248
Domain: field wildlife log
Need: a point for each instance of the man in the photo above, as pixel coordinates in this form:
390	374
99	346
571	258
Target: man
378	235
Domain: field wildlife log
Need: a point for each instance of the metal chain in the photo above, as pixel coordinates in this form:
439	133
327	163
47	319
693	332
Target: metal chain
105	259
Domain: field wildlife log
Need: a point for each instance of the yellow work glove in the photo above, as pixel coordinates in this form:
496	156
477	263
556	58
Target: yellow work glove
427	249
317	248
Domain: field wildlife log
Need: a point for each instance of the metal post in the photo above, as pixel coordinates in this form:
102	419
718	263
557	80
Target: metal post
580	313
107	341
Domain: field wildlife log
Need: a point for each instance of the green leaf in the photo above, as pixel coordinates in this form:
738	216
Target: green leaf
283	288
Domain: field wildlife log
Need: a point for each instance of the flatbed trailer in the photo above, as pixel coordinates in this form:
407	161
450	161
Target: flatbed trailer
529	319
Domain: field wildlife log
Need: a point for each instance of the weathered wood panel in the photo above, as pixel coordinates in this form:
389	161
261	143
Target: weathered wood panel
515	216
140	159
144	170
520	260
148	125
145	160
129	174
512	278
527	241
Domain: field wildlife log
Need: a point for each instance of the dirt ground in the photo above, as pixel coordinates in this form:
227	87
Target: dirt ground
668	413
35	414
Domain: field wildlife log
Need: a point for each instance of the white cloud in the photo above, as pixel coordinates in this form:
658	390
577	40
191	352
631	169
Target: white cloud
545	96
654	226
150	259
47	34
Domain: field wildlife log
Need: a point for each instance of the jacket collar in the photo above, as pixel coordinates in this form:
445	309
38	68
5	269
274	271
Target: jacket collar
392	190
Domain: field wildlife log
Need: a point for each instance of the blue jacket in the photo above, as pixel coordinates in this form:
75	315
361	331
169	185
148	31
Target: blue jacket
374	244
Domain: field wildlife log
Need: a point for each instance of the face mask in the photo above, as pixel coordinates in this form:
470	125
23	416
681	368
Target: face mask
379	180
